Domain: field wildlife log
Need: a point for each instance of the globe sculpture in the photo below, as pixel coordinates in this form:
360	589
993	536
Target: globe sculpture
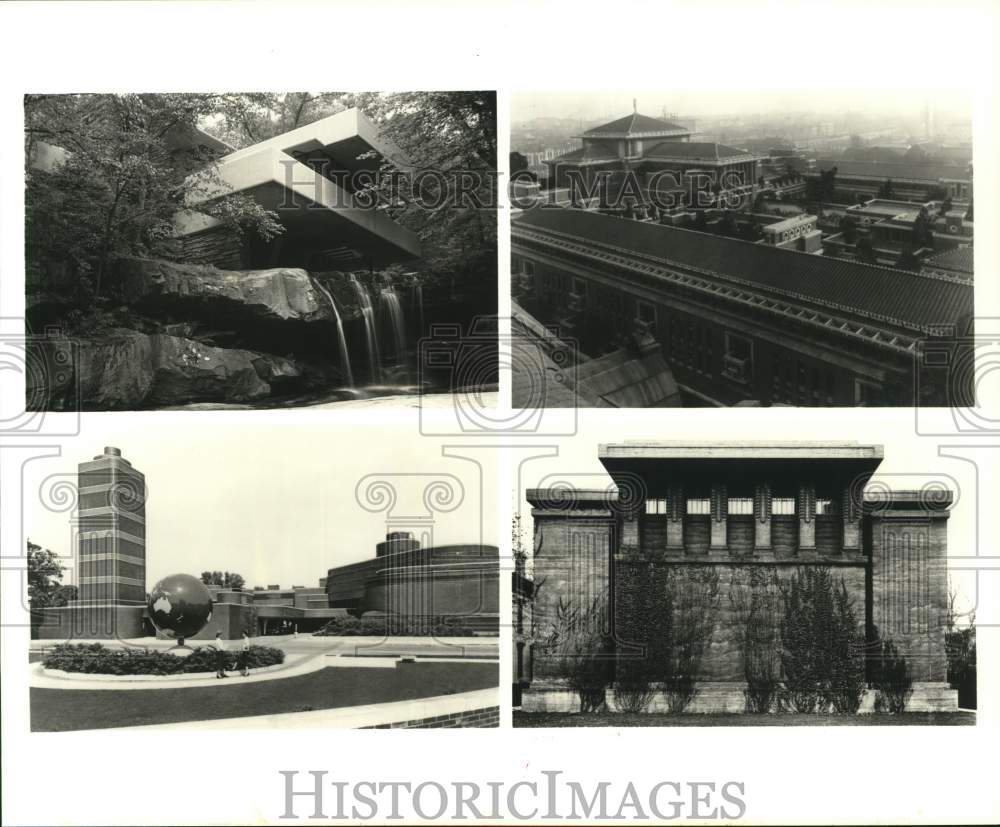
180	606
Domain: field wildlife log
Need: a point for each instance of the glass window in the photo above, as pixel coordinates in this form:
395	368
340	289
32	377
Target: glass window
699	506
740	505
783	505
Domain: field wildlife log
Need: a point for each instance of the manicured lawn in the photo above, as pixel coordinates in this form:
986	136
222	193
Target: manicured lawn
607	719
57	710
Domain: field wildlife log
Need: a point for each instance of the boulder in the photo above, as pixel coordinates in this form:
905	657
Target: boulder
128	370
277	295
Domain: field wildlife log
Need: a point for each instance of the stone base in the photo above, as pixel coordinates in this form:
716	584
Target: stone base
932	697
712	697
549	697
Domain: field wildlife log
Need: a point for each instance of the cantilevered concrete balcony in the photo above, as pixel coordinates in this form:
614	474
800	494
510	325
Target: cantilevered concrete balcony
305	177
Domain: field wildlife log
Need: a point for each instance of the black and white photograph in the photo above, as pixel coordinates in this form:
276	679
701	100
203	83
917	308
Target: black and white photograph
499	413
299	594
700	249
259	250
741	584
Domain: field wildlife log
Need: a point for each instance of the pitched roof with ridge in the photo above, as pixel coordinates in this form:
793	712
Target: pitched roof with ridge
636	125
903	299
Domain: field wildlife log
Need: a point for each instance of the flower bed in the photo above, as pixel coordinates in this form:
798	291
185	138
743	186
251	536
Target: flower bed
97	659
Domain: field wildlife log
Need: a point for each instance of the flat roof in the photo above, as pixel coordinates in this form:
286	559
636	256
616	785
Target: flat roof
658	449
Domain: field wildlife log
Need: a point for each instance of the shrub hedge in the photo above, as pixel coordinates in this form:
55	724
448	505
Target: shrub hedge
395	626
97	659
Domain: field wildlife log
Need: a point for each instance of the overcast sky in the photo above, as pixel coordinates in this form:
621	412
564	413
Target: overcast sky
700	103
274	503
910	462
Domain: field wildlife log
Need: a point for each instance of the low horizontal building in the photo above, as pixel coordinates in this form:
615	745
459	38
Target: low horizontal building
404	579
912	180
740	321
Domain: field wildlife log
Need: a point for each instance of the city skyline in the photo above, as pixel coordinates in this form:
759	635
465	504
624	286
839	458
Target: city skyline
284	516
608	104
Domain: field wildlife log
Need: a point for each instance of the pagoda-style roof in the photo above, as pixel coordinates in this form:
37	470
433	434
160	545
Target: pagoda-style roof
637	126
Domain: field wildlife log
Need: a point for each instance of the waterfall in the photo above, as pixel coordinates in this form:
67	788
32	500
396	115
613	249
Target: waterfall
395	312
371	333
345	359
417	305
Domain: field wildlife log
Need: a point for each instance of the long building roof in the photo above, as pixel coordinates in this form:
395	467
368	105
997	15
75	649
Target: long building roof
903	299
911	171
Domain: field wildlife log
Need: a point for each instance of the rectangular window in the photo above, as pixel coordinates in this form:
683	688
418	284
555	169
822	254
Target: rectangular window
737	359
826	507
699	506
740	505
783	506
656	506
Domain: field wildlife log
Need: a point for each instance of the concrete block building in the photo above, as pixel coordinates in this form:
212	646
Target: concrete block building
732	510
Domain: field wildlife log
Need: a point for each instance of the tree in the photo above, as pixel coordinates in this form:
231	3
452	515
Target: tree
45	574
960	648
518	163
130	167
849	228
864	250
225	579
453	134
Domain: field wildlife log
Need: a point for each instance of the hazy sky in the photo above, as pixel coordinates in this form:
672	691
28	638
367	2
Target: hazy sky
693	102
275	503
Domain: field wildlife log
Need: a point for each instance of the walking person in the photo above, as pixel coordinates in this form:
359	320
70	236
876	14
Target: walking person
220	656
245	656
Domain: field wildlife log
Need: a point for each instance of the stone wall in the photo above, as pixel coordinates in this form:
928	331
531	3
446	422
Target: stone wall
910	587
473	718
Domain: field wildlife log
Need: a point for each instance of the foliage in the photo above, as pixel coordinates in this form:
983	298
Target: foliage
580	642
891	678
96	659
225	579
646	610
822	649
454	133
756	599
960	648
45	588
395	626
129	167
693	594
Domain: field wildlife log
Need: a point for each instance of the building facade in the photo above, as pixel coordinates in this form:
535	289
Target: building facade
748	322
110	554
405	579
737	515
644	160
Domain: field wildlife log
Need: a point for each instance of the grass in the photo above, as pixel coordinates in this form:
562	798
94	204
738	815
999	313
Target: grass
610	719
61	710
